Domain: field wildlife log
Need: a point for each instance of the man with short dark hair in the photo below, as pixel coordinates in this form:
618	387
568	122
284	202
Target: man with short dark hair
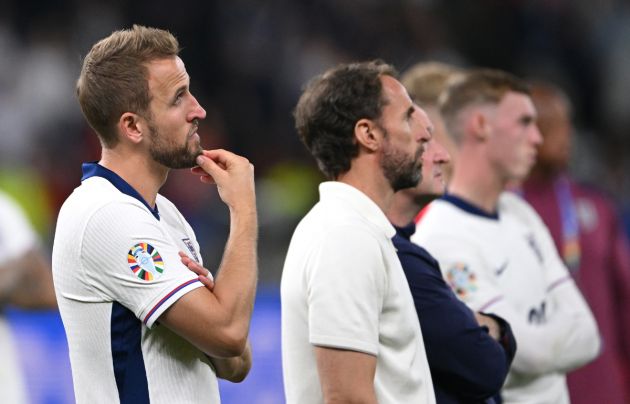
349	329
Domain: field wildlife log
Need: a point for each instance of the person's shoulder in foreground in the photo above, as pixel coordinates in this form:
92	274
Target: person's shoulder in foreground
495	253
349	329
142	316
25	282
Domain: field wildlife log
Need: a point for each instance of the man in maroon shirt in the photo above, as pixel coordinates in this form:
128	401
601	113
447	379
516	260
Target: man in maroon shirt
586	229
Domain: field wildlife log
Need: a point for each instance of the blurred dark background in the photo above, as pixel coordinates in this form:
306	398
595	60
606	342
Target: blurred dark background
248	61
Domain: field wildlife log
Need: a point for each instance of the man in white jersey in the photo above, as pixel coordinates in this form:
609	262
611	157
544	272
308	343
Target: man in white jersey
350	332
469	353
494	250
25	282
144	320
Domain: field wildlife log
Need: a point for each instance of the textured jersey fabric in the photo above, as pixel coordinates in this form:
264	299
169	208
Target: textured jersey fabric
116	269
467	364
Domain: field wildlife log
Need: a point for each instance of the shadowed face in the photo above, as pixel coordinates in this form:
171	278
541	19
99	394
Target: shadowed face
437	164
433	177
434	180
554	122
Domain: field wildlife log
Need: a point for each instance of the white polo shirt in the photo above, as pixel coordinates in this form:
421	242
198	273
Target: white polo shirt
116	269
506	263
343	287
16	239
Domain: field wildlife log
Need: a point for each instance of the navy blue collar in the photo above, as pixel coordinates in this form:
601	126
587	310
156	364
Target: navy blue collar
406	231
96	170
469	207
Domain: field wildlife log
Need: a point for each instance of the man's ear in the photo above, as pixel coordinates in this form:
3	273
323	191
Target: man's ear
478	125
368	134
132	127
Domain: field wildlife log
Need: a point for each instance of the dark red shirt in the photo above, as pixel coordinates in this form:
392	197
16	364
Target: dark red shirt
601	269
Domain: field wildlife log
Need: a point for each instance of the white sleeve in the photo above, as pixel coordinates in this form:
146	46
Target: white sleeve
128	258
580	342
564	342
572	326
16	234
346	283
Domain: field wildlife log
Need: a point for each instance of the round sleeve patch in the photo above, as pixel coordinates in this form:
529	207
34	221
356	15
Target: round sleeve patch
145	261
462	281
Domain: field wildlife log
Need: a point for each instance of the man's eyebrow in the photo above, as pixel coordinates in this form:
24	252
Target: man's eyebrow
185	85
180	90
528	118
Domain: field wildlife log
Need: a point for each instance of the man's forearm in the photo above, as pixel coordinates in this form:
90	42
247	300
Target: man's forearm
233	369
9	280
235	285
26	282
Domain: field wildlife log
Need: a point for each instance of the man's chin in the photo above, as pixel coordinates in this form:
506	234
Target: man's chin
406	183
188	161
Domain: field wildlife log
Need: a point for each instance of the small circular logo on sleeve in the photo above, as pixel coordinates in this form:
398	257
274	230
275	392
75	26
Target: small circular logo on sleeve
145	261
462	280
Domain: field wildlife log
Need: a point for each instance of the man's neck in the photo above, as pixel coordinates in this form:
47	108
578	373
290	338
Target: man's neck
369	179
144	175
406	205
475	181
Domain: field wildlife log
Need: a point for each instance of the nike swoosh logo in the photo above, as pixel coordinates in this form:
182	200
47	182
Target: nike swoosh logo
501	269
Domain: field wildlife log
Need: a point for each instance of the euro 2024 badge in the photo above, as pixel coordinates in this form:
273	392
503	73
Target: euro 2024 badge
145	261
462	281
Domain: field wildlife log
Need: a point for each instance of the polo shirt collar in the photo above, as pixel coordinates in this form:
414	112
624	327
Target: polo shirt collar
93	169
359	202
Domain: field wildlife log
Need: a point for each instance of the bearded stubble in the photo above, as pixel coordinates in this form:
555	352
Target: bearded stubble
401	170
170	154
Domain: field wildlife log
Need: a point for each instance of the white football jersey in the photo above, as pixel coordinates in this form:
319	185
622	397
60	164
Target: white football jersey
116	269
506	263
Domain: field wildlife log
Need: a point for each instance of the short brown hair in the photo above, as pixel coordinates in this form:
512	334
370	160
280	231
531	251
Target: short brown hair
330	107
114	76
478	86
425	81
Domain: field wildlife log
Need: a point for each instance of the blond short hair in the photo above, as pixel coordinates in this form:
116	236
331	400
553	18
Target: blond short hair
425	81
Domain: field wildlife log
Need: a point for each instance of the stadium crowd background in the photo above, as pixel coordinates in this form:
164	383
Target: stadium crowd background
248	61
